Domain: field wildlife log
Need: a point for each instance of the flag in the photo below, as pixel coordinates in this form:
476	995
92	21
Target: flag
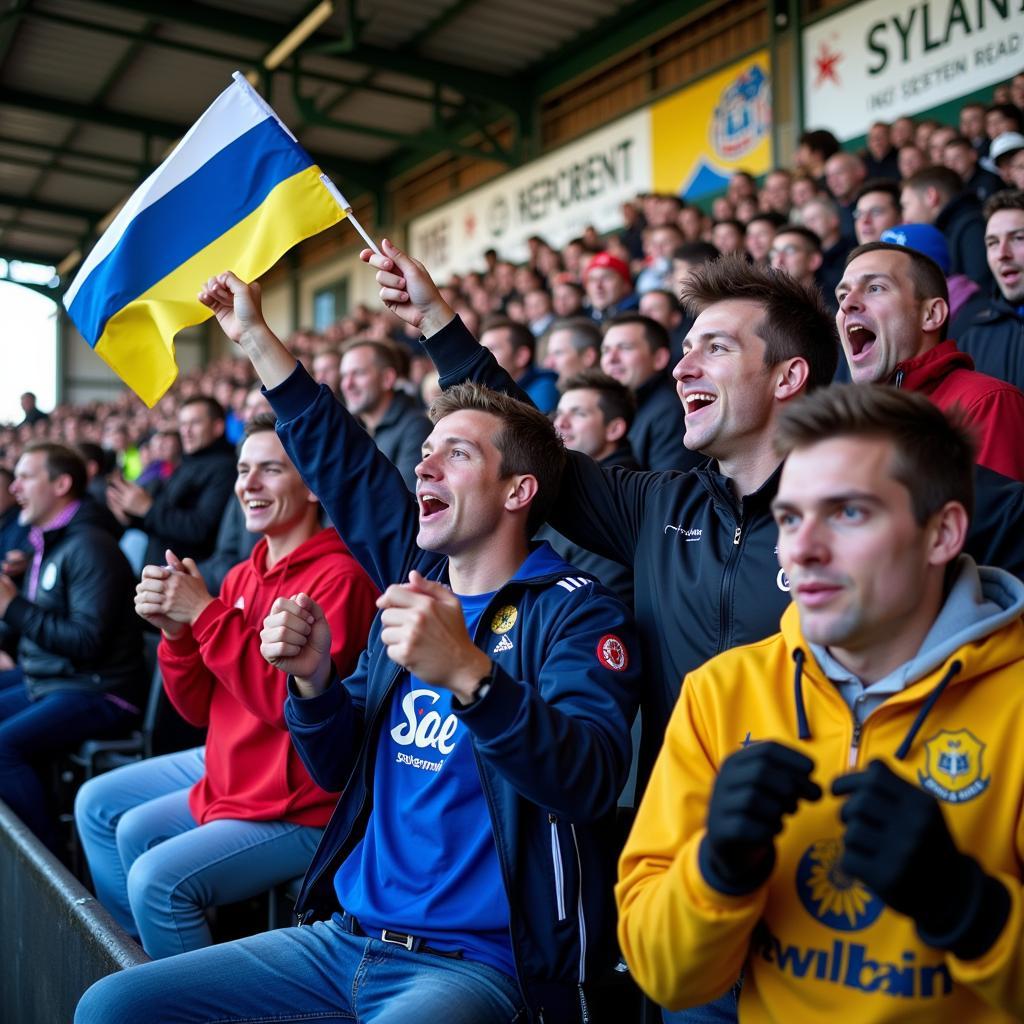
236	193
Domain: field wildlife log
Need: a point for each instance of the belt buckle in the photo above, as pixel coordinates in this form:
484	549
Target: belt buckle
396	938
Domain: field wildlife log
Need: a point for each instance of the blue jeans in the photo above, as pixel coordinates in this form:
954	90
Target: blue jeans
34	732
316	973
156	869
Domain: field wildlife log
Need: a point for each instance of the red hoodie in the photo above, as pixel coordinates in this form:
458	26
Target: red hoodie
994	409
215	677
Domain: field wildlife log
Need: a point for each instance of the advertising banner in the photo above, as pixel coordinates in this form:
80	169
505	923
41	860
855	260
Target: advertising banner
721	124
881	59
555	197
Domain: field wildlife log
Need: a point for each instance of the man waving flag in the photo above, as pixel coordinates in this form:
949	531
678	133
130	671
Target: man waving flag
237	191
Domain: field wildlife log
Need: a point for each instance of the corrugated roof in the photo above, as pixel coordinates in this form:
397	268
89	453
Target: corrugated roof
93	92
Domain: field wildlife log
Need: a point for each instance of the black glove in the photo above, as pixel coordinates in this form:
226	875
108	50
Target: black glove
755	787
898	844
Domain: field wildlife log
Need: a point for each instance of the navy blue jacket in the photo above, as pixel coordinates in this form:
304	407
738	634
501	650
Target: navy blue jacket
551	737
706	570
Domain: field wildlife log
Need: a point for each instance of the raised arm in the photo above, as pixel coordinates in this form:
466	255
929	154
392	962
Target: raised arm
336	458
598	509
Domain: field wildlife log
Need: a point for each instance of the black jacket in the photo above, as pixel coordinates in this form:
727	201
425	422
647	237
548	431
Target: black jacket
656	435
81	631
614	575
705	562
960	220
185	515
400	436
995	341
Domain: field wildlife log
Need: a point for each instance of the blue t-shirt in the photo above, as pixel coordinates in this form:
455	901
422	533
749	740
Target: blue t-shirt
427	865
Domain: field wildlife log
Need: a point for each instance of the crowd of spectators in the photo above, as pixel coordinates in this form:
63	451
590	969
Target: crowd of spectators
915	245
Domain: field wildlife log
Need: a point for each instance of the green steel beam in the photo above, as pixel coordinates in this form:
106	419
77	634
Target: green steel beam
8	252
37	229
43	165
635	23
136	166
57	209
432	140
9	27
100	97
262	30
90	114
227	55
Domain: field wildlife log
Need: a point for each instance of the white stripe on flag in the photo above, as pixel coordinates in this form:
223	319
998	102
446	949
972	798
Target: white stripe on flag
230	116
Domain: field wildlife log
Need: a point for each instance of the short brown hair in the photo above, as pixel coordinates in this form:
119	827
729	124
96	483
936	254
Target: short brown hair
934	452
519	334
946	182
526	440
655	336
1005	199
795	321
614	399
61	460
259	424
384	354
928	279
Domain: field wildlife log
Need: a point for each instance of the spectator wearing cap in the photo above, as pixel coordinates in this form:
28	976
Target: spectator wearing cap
995	338
821	215
960	156
893	325
936	195
573	345
877	208
966	298
514	346
1007	157
636	351
609	287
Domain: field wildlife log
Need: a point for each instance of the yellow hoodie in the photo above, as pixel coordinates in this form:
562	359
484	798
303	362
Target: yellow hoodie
812	942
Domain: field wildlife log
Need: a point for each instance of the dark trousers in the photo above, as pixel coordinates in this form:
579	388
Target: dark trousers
34	732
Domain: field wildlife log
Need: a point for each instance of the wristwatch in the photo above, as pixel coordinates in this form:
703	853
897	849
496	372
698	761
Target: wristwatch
483	687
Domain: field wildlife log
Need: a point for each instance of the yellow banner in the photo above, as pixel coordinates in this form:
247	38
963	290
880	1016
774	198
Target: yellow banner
721	124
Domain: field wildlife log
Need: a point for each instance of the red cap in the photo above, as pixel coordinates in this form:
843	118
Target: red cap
606	259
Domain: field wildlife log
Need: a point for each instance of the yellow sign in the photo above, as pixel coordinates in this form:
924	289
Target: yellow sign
721	124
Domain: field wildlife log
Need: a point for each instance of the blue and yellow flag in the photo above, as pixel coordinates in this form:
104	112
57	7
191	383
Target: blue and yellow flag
236	193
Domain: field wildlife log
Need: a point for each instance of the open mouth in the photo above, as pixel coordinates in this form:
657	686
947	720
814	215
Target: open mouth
255	504
430	506
861	340
697	400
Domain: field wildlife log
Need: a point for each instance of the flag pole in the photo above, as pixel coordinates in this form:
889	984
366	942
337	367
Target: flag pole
347	207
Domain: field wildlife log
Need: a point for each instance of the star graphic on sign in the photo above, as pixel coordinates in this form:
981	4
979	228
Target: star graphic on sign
826	62
470	225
